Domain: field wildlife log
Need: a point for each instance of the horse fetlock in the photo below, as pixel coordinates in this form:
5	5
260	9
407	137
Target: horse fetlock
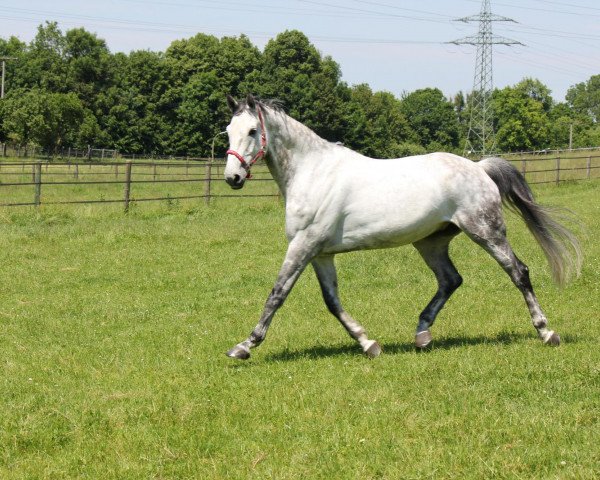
540	323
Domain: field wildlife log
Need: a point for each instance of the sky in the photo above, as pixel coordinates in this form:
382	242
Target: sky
397	46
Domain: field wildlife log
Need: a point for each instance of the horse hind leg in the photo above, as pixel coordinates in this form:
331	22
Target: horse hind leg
492	238
326	274
434	251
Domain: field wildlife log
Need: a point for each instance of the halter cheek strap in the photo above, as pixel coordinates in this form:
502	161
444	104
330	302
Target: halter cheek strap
261	153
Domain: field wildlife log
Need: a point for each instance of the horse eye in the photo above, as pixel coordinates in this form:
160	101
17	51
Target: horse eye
252	132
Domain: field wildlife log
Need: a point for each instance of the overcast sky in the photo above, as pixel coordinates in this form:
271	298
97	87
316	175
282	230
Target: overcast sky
391	45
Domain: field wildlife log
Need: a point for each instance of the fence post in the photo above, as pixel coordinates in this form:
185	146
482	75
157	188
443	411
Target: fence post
127	185
557	170
38	183
207	182
154	172
589	166
76	173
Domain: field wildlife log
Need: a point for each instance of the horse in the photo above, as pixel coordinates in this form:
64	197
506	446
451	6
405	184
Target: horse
337	200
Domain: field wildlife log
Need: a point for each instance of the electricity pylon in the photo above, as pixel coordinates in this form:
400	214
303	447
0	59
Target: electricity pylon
481	139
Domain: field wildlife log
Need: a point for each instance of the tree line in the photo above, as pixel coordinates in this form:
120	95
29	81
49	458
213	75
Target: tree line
69	90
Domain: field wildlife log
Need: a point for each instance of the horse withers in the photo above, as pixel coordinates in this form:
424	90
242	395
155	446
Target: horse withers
337	200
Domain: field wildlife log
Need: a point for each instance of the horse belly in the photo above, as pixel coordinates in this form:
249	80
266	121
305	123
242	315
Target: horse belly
389	225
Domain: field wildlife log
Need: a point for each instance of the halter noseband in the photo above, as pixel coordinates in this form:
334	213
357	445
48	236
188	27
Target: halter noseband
261	153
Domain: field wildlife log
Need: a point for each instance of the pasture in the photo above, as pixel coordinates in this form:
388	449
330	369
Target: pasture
113	330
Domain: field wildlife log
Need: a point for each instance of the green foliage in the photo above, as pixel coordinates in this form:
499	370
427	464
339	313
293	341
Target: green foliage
174	102
48	119
376	125
584	98
521	114
433	119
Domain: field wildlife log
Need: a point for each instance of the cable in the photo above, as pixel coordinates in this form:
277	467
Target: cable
360	10
448	17
570	5
587	15
264	9
194	29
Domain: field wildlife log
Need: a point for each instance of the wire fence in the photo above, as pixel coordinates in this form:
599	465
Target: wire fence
36	183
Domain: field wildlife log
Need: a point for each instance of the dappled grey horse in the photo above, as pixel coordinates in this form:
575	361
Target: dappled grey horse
337	200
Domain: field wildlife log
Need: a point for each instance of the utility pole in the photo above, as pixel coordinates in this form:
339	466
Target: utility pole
4	59
571	137
481	139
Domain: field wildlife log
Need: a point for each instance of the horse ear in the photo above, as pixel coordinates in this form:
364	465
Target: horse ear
233	104
251	101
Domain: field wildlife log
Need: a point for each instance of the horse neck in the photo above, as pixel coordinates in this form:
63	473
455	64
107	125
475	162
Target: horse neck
291	147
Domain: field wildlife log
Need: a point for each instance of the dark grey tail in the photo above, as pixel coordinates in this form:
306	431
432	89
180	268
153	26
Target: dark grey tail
559	244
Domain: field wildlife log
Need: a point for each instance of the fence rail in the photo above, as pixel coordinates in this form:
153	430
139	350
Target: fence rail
35	183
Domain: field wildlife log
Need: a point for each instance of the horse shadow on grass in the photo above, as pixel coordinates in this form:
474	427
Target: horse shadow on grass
399	348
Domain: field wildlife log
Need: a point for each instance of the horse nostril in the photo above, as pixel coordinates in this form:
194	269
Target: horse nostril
236	179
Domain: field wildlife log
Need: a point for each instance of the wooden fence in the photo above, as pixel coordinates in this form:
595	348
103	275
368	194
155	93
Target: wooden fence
64	183
36	183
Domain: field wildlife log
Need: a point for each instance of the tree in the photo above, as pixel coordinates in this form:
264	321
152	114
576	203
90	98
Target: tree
89	66
49	119
521	116
309	85
584	98
43	66
199	114
376	125
433	119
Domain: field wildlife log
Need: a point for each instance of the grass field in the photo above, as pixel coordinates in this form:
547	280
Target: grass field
113	330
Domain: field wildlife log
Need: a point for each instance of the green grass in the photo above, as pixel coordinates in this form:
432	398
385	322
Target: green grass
113	330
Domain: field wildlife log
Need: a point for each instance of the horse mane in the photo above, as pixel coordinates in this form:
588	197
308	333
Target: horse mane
272	103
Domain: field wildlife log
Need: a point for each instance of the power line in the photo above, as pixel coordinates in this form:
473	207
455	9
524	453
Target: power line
564	4
246	7
547	10
363	11
174	28
395	7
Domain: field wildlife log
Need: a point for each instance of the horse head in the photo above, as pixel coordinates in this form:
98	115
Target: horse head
247	140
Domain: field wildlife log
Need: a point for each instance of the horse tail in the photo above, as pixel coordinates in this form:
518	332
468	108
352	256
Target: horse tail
559	244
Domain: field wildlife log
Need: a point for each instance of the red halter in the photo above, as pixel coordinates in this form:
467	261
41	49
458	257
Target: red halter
261	153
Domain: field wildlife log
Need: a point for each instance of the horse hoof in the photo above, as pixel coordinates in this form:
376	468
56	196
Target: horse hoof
239	352
423	339
552	339
373	350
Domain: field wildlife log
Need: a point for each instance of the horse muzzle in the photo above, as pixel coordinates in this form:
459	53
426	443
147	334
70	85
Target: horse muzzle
235	181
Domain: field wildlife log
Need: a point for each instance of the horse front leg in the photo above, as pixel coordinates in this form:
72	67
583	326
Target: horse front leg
326	274
298	255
